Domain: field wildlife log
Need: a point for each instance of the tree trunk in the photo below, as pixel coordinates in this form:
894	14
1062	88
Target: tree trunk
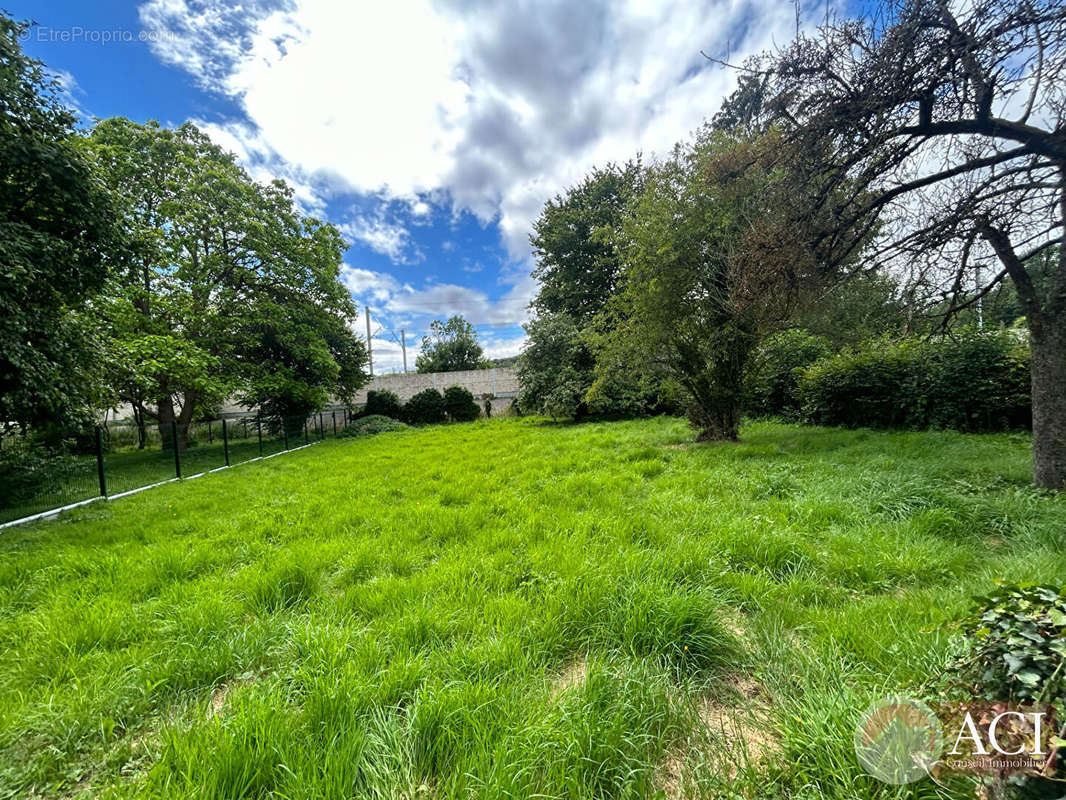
166	422
138	418
720	424
1048	345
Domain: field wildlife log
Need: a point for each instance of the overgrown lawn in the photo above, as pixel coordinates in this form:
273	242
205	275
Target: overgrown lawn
508	608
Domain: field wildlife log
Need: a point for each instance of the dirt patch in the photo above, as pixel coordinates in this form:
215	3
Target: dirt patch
219	694
729	734
735	625
573	675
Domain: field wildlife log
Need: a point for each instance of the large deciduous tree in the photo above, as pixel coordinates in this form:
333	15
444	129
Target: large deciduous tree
55	230
715	259
450	346
579	264
949	120
225	288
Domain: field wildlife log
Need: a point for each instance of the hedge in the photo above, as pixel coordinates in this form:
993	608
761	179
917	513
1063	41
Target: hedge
383	403
459	404
425	408
773	376
970	381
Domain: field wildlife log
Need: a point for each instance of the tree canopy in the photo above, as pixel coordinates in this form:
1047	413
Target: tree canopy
948	120
224	288
56	232
450	346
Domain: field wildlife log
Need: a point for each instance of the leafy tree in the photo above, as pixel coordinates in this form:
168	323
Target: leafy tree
948	119
555	369
867	306
775	369
574	241
55	230
451	346
714	262
579	265
225	289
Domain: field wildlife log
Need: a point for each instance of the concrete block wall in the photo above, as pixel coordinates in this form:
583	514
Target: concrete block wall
499	381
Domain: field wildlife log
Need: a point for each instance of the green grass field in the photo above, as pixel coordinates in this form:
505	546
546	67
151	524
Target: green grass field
508	608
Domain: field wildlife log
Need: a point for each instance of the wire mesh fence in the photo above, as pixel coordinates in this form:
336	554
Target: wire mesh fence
118	457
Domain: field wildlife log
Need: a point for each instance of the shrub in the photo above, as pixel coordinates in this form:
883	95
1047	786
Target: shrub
425	408
775	370
383	403
975	381
1014	650
1015	645
29	468
372	424
459	404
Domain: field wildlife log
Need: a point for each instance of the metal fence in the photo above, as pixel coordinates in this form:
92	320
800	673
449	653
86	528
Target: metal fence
119	458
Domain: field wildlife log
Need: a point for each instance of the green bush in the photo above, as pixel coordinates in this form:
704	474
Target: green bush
775	370
459	404
1015	645
383	403
372	424
29	468
425	408
972	381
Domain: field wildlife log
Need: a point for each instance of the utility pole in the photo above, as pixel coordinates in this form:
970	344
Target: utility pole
369	351
403	346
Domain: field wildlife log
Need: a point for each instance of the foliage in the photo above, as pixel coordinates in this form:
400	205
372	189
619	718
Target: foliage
225	289
382	402
425	408
714	262
1016	645
867	306
459	404
56	230
971	381
579	265
776	366
372	424
555	369
574	241
451	346
29	467
945	119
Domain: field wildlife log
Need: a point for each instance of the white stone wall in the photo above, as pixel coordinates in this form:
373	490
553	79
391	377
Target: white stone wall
499	381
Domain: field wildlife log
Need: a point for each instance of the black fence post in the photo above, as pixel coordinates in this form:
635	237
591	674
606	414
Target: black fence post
334	424
177	455
259	433
100	462
285	431
225	442
321	426
307	439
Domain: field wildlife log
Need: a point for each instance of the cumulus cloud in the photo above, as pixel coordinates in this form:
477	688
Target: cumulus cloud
382	236
495	105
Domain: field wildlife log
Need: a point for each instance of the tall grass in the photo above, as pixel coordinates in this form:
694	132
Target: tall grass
507	609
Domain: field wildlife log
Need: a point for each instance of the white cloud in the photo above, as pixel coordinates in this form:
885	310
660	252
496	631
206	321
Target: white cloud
367	285
382	236
494	106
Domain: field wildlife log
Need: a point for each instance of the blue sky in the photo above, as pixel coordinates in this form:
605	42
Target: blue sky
429	131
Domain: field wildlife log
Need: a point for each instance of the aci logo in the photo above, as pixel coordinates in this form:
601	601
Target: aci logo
898	740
